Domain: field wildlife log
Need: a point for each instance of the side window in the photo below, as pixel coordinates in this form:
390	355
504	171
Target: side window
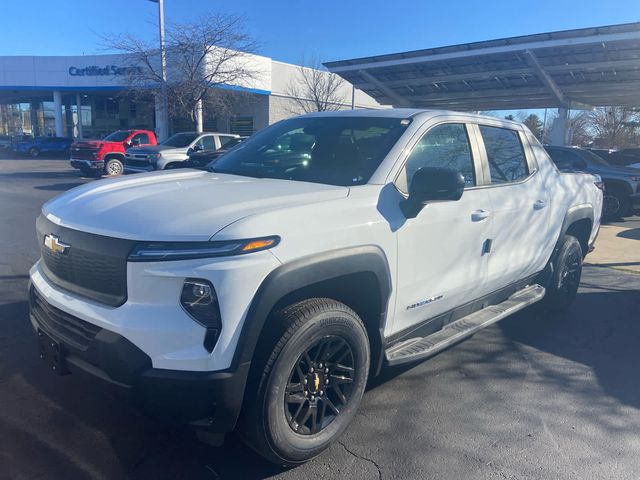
505	154
445	146
140	139
208	142
224	140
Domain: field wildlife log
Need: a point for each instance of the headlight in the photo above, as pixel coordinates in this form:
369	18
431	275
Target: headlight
201	303
155	155
159	251
635	178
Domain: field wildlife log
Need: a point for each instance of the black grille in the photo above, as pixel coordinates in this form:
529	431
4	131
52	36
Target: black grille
83	153
94	266
137	163
67	328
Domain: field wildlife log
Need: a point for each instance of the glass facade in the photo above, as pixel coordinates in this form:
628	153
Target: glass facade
99	115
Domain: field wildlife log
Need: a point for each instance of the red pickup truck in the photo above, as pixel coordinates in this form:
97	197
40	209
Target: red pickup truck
107	155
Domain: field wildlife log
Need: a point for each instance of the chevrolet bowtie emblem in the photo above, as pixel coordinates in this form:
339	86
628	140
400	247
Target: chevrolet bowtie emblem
54	244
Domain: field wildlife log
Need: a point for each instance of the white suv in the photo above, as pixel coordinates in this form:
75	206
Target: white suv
264	293
173	151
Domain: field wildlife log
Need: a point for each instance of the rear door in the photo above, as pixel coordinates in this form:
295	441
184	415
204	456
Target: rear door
519	205
441	262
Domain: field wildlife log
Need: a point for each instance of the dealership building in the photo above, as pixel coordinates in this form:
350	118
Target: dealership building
86	97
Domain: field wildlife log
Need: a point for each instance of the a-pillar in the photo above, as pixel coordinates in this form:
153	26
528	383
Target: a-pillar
559	128
57	113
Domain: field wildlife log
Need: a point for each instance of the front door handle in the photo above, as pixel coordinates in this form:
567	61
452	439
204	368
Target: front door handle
539	204
480	215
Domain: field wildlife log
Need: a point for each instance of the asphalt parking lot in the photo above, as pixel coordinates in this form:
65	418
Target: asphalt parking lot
531	397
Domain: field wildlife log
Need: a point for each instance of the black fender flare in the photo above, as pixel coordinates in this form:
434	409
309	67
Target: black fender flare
618	185
578	212
305	272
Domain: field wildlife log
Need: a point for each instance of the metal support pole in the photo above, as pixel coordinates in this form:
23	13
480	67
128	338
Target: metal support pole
57	113
163	127
79	115
353	97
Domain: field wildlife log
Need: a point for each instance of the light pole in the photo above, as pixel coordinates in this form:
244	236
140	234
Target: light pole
163	127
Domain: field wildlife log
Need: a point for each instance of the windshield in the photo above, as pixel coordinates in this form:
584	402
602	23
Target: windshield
332	150
119	136
180	140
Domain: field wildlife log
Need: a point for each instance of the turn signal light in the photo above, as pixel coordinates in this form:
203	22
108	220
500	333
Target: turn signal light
258	244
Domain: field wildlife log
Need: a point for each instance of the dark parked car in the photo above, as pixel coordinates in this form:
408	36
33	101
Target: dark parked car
201	159
625	157
36	146
622	184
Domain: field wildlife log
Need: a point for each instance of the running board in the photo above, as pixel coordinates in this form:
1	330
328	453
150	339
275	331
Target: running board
424	347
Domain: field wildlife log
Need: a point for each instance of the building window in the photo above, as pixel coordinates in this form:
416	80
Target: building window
242	126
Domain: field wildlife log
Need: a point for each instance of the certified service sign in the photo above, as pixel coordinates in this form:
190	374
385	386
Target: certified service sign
107	70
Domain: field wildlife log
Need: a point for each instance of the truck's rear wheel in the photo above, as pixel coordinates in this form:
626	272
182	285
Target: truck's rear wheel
114	166
311	384
563	285
615	204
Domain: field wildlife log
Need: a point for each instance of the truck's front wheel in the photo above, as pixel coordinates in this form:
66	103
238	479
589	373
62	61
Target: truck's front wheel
311	384
114	166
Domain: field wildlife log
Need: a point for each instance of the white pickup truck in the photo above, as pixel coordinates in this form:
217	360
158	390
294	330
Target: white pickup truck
262	294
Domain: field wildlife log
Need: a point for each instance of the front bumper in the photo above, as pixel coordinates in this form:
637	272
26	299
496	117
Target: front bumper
82	164
203	400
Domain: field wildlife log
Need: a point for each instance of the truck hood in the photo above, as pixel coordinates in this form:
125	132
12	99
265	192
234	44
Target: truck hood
155	149
613	170
95	144
184	205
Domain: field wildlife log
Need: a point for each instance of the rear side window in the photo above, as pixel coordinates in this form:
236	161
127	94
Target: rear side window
505	154
445	146
208	143
225	139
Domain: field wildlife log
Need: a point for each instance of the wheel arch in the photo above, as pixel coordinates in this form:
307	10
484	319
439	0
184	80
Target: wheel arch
359	277
617	185
578	222
116	155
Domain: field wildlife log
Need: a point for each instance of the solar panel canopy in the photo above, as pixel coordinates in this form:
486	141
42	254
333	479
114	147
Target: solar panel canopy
581	68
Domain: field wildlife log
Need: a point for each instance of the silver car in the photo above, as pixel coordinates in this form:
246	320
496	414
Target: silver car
173	150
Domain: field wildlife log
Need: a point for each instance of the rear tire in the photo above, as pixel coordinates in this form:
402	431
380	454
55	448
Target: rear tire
114	166
615	204
563	285
34	152
311	384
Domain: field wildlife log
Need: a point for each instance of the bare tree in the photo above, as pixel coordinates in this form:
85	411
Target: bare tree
614	127
201	55
314	89
533	123
579	128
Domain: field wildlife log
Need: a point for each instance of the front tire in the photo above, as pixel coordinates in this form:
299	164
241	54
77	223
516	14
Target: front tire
114	166
311	384
563	285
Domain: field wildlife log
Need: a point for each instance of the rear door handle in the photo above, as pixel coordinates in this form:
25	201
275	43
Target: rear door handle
480	215
539	204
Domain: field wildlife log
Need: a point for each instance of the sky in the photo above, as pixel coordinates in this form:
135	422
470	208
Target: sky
291	30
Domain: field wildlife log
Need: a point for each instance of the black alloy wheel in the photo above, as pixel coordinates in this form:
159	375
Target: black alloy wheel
319	386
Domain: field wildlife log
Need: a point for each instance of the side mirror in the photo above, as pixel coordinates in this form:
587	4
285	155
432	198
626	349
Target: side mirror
196	148
432	184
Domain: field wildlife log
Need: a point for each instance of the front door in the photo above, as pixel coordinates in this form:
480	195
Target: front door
441	259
